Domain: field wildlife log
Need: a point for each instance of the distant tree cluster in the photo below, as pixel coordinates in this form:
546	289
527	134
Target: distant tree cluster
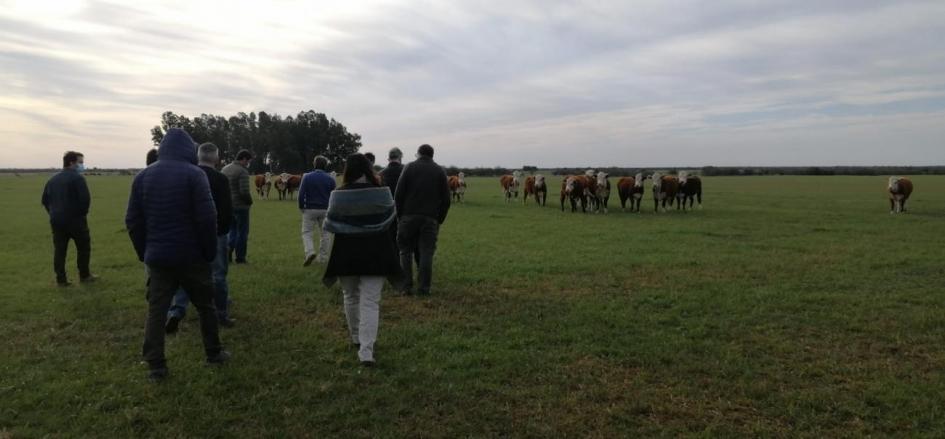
717	170
291	143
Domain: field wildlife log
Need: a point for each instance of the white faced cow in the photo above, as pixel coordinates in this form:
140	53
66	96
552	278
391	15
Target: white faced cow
690	189
664	190
900	188
603	191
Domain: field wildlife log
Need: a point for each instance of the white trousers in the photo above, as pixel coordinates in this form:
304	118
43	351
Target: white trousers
312	218
362	309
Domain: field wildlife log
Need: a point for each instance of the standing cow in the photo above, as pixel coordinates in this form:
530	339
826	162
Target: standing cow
279	182
590	189
573	187
535	186
690	188
292	184
263	184
510	185
631	188
457	184
664	190
603	191
899	190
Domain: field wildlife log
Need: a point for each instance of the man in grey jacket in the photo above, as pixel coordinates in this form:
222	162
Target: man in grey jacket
423	200
238	175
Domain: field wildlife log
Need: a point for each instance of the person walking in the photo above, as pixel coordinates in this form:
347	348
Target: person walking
423	200
238	175
389	177
360	214
172	223
207	158
314	192
67	200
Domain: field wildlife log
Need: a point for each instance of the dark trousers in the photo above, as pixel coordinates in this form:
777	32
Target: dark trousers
239	233
163	283
416	234
78	231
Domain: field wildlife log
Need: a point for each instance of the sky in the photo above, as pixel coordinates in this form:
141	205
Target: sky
490	83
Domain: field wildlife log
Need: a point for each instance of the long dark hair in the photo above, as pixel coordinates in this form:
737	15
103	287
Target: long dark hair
356	166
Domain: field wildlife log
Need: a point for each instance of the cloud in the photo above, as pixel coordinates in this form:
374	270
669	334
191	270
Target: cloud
495	83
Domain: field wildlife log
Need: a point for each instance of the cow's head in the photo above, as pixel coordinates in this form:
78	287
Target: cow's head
894	184
569	185
539	180
683	177
589	173
638	180
461	176
657	181
602	178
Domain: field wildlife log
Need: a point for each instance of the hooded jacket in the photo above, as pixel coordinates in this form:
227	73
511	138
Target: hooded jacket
171	217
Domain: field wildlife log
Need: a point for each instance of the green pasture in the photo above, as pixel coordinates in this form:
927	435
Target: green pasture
788	306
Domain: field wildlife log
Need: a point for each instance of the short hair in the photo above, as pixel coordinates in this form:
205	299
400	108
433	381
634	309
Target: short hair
425	150
244	154
356	166
208	152
395	154
369	156
70	157
152	157
320	162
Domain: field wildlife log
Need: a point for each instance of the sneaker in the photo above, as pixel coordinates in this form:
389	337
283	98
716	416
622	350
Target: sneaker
226	322
157	375
88	279
63	283
218	359
173	322
308	260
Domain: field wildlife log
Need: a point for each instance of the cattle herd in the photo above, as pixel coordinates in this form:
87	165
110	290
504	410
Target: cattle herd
591	191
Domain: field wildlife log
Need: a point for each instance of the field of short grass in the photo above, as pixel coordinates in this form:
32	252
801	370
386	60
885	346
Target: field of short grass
788	306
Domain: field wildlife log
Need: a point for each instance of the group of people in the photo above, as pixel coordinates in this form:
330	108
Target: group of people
187	222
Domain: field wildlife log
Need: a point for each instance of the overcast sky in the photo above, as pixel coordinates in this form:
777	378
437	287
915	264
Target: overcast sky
490	83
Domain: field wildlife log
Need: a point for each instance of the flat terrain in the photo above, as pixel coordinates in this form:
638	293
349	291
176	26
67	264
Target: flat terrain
788	306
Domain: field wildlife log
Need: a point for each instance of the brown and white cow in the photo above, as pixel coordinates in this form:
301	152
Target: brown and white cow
602	193
574	187
292	184
664	190
631	188
279	182
535	186
900	188
690	189
457	184
510	185
590	189
263	184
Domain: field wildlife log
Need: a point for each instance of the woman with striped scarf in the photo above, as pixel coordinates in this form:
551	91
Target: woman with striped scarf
360	214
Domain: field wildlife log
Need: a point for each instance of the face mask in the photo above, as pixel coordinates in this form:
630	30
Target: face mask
80	168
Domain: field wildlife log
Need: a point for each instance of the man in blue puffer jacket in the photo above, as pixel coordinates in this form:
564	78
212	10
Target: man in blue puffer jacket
172	223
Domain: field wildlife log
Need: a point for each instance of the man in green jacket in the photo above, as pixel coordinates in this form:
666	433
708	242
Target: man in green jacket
238	175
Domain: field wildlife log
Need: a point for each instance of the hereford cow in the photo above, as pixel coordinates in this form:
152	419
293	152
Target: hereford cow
664	190
631	188
263	184
457	184
573	187
510	185
292	183
590	189
690	188
602	193
535	186
279	182
899	190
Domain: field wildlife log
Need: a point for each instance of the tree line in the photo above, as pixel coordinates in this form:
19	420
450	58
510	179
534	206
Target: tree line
290	143
713	170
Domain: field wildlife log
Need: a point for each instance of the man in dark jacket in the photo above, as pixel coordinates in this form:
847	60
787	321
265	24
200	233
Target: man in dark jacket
314	192
208	157
238	175
391	173
66	199
173	225
423	200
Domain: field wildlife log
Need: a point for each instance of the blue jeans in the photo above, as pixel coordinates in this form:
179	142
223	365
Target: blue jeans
221	290
239	233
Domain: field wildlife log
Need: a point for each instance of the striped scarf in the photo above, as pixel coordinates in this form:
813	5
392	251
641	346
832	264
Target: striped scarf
360	211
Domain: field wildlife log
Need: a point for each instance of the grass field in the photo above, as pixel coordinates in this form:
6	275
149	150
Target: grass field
789	306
